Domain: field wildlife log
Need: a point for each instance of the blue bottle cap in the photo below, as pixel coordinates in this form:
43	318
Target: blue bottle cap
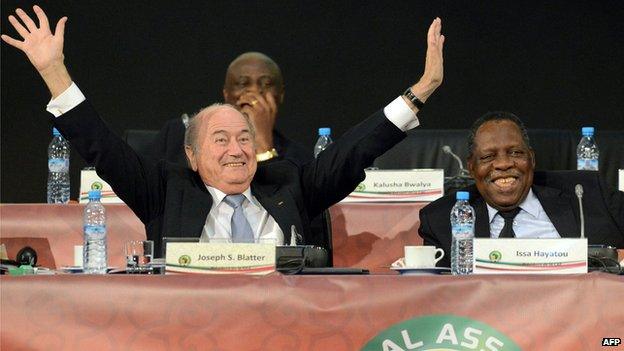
587	131
55	132
462	195
324	131
95	194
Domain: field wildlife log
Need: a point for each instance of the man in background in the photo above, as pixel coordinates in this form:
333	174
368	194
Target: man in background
254	84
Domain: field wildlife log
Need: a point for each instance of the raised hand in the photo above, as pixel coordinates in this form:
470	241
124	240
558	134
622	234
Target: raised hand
434	62
262	111
43	49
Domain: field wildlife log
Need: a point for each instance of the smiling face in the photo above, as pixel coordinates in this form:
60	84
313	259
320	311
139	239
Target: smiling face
501	164
224	151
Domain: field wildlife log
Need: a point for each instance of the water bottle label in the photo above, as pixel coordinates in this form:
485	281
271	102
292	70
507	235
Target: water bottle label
58	165
94	232
464	230
587	164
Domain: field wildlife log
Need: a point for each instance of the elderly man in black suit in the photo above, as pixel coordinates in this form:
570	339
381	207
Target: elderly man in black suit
225	188
511	200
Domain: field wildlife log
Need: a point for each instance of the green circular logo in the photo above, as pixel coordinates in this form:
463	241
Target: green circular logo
97	186
184	260
441	332
360	187
495	256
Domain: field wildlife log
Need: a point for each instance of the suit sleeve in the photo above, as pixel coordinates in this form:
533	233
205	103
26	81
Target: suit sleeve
425	232
614	201
138	183
340	168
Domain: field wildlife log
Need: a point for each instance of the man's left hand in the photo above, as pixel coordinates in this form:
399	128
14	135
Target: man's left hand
262	111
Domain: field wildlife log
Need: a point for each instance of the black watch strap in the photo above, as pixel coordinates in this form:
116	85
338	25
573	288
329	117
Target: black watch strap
411	97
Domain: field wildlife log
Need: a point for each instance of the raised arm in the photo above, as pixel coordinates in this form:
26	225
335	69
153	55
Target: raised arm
43	49
434	64
339	169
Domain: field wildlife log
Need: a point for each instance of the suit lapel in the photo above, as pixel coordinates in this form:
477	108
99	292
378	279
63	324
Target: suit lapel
280	204
561	210
194	209
482	225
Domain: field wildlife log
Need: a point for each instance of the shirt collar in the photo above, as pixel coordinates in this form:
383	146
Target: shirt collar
530	205
218	195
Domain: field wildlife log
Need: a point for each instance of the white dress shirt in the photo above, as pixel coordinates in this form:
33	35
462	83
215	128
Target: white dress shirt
218	226
218	222
531	222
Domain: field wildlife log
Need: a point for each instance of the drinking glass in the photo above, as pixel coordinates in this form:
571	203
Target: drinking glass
139	254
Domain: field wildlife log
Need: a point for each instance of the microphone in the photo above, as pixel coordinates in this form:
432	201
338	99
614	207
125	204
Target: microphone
447	150
27	256
578	190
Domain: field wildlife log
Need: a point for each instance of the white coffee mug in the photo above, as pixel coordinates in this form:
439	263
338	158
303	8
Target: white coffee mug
422	256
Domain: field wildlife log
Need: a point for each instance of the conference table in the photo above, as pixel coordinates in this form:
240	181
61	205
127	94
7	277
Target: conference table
381	311
367	235
281	312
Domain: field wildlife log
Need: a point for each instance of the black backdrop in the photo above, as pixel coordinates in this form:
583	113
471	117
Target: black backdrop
557	64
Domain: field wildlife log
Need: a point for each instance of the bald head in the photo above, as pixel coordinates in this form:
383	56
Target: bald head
191	135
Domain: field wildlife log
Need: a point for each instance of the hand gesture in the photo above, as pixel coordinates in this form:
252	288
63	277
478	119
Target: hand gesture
43	49
434	67
262	111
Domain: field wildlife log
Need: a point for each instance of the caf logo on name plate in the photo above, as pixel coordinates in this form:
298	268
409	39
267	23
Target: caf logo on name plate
184	260
96	186
361	187
441	332
495	256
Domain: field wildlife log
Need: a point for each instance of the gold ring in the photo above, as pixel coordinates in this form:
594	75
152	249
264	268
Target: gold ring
253	103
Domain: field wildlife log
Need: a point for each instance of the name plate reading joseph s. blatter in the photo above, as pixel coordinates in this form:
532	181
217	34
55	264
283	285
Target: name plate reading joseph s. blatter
530	256
405	185
219	258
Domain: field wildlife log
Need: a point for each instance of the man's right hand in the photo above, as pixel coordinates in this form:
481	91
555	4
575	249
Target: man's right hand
43	49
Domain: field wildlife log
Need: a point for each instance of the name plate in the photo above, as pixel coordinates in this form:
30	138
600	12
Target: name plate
530	256
220	258
399	186
89	180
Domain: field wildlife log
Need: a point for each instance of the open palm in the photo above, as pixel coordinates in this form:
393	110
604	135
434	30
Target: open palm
42	48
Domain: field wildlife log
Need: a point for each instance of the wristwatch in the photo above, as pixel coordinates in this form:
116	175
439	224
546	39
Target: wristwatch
267	155
411	97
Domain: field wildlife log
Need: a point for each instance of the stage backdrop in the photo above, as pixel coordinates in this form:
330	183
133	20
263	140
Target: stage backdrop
556	64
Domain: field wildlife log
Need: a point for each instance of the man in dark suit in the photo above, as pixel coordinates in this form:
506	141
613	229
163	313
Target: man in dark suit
254	84
510	200
225	194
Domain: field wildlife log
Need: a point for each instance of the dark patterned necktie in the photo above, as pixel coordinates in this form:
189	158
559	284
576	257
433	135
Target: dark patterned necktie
507	231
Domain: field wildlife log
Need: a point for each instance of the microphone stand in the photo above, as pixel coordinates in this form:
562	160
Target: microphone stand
462	179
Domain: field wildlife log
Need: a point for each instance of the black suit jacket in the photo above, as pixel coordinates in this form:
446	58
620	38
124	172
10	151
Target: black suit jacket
172	200
603	211
169	145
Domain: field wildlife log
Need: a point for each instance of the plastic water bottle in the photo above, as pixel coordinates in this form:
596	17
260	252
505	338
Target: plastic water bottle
58	169
587	151
94	224
462	228
323	140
